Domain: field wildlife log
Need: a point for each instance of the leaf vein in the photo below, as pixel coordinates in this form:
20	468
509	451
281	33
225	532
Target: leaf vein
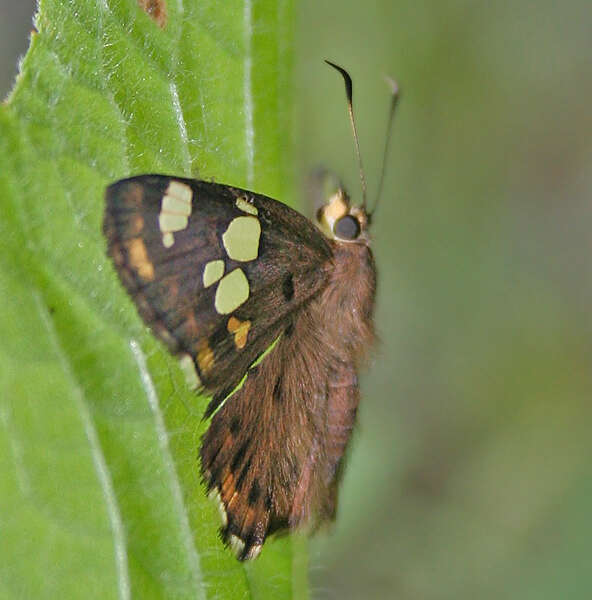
182	126
162	436
99	461
248	91
22	476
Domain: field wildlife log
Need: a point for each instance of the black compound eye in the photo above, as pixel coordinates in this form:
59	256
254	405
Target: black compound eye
347	228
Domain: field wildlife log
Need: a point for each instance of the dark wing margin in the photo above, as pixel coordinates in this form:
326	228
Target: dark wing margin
217	272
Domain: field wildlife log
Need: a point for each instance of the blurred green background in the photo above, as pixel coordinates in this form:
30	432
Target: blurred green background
469	475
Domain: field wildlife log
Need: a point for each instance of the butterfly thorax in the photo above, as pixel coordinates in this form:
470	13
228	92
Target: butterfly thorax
346	305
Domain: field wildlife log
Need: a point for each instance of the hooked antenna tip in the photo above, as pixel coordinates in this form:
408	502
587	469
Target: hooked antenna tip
350	107
392	84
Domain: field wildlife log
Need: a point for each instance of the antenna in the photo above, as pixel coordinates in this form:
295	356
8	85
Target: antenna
350	108
389	127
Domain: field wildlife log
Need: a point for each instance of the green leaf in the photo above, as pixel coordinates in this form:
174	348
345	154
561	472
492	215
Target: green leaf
100	493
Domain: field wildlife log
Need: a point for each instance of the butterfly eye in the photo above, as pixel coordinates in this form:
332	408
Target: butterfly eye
347	228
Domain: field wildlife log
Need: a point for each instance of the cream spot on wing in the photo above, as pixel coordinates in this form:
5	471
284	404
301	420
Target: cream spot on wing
253	552
190	372
168	239
236	544
169	222
180	190
138	257
232	291
175	209
241	239
215	495
212	272
176	206
240	330
244	205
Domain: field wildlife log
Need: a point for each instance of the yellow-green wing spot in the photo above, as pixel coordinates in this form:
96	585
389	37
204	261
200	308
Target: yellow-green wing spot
168	239
181	191
244	205
212	272
215	495
241	239
232	291
174	211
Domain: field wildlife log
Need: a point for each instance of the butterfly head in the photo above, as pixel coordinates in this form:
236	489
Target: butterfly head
342	222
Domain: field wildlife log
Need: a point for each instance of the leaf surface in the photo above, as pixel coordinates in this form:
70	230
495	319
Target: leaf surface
100	493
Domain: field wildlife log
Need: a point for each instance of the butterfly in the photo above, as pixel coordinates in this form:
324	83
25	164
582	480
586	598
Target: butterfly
272	314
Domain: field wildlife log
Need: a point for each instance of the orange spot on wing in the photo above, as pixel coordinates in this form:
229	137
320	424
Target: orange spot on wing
138	258
240	330
205	356
136	225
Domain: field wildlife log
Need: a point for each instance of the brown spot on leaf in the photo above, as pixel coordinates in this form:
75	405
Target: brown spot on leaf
156	10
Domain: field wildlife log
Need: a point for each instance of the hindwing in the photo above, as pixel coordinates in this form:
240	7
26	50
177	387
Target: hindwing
215	271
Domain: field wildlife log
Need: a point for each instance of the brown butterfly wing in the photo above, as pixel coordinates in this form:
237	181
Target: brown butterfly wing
169	240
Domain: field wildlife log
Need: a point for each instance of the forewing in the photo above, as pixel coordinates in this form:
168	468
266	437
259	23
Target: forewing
215	271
